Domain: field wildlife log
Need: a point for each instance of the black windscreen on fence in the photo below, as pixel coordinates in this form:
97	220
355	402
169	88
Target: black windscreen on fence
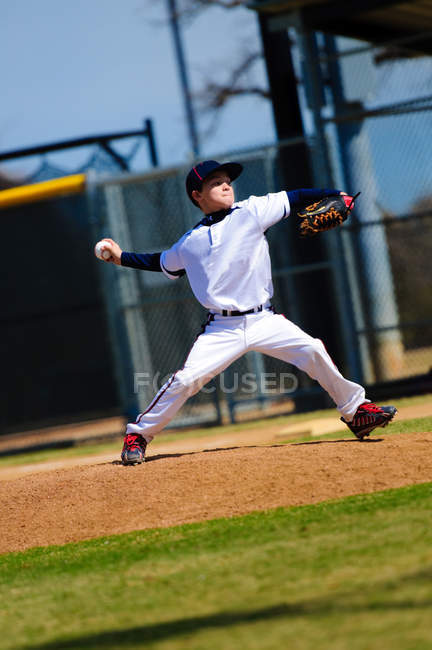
54	344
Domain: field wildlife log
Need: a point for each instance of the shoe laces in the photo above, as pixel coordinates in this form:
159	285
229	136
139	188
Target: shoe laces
133	441
371	408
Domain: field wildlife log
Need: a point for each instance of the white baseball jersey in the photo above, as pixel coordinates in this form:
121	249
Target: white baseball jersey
228	263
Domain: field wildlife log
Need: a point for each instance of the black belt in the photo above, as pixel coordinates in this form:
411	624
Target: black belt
254	310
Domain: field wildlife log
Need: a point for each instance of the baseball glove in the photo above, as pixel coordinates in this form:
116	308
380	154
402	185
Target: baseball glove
326	214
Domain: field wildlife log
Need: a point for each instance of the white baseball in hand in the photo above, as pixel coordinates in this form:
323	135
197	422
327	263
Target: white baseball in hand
101	250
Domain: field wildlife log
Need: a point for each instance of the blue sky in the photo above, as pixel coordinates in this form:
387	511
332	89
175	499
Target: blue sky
78	68
75	69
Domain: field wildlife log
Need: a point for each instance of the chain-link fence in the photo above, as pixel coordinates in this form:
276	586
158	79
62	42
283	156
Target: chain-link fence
160	318
377	113
407	347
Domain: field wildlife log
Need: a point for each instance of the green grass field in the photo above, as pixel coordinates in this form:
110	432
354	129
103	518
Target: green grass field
351	574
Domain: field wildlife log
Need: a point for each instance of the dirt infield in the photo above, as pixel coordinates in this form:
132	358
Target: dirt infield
101	498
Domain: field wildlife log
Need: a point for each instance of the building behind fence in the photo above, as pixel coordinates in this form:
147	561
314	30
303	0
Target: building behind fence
85	337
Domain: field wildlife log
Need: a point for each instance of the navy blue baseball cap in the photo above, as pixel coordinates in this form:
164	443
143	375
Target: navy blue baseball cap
199	173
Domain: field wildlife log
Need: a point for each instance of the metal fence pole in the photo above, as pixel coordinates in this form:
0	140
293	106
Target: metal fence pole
133	352
118	339
148	124
184	77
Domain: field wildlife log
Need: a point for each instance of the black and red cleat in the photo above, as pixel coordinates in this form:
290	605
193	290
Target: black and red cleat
134	448
369	416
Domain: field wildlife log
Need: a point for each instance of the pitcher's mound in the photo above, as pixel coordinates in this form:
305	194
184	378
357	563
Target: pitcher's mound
76	503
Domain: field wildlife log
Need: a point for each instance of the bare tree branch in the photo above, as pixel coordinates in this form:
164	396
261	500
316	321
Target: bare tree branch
187	10
215	95
220	95
196	5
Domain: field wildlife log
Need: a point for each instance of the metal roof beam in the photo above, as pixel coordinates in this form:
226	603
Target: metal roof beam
340	10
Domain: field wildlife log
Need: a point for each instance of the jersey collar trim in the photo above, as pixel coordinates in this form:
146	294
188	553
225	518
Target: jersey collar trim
215	217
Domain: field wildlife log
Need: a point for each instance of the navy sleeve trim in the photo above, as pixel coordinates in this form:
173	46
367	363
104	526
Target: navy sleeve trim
177	274
142	261
300	198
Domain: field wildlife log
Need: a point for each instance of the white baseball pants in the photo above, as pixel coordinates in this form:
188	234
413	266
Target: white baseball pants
224	340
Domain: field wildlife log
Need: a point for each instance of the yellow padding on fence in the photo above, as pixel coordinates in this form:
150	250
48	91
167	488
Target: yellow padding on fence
41	191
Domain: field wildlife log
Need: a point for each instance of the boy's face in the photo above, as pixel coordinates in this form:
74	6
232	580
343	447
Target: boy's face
216	193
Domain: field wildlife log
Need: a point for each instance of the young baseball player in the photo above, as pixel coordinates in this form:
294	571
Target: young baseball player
226	259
